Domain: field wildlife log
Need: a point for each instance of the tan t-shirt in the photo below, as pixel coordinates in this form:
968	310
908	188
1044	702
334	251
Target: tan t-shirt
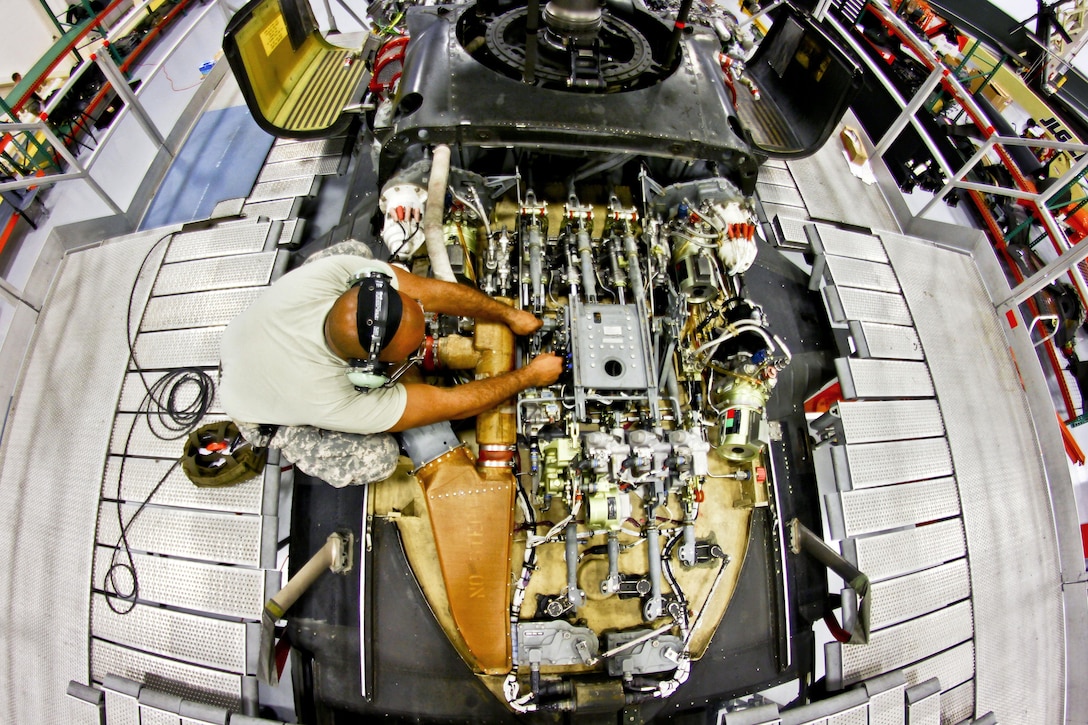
277	368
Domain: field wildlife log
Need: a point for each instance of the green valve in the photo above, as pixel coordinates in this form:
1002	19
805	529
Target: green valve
1079	420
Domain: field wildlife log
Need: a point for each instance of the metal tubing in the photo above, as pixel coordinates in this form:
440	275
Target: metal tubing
49	11
332	20
954	180
532	30
653	607
633	269
585	256
1075	170
687	547
575	595
1004	191
619	279
845	36
672	55
536	267
802	539
113	75
58	146
28	181
612	583
435	212
327	557
362	23
762	11
1044	277
907	114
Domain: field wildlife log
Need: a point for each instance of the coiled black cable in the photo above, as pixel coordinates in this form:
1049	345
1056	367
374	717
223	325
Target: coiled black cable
173	405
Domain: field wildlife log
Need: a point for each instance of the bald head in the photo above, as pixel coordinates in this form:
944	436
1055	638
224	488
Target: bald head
342	336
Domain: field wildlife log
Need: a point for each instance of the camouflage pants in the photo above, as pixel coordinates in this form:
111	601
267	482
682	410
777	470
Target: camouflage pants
340	459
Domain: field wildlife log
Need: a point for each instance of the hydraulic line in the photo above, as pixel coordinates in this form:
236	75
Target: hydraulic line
585	256
435	212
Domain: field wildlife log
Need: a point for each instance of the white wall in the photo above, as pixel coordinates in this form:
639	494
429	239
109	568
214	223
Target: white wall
28	33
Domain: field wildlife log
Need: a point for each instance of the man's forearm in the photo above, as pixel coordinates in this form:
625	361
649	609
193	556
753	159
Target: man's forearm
480	396
430	404
449	298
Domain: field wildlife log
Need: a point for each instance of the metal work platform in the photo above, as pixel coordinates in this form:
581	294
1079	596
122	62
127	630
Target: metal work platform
940	485
933	476
89	456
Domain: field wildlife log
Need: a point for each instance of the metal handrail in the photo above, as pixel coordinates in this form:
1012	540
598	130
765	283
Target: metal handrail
848	38
992	143
151	73
80	172
995	142
132	105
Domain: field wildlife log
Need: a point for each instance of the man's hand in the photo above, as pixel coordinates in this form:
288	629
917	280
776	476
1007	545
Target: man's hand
430	404
545	369
451	298
522	322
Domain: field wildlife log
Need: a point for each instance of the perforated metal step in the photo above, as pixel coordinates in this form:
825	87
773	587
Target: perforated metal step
787	195
242	270
902	552
770	211
276	209
958	704
848	303
311	166
177	678
197	640
205	536
851	706
881	464
220	241
907	597
953	666
878	340
886	698
859	274
229	591
827	239
291	233
184	389
883	508
923	703
1006	495
121	709
790	231
137	434
289	150
868	421
776	176
867	378
193	348
197	309
903	644
132	703
142	475
285	188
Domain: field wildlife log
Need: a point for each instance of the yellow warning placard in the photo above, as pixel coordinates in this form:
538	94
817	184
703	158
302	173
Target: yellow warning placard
273	34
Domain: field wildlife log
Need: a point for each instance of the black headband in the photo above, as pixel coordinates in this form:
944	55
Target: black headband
378	313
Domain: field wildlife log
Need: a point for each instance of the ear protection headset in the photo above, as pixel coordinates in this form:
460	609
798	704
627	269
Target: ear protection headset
372	317
377	319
